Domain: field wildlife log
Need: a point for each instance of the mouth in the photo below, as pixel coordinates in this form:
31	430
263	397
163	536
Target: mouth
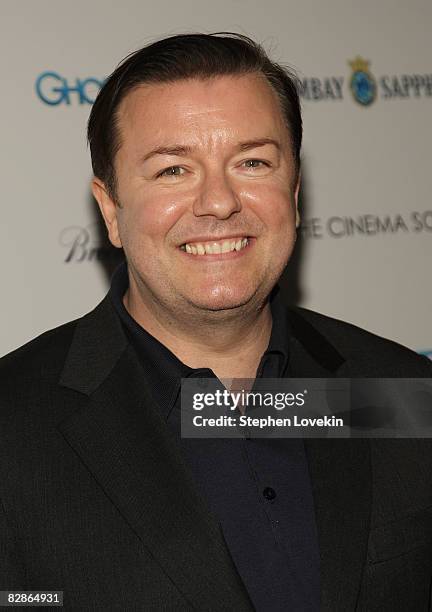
212	248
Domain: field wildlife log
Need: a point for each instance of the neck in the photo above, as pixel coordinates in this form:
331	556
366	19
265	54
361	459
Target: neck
229	342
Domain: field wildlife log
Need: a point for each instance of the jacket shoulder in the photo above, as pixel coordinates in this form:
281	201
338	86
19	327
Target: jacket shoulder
373	354
40	358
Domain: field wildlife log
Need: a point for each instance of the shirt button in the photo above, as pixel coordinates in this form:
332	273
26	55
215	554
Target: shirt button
269	493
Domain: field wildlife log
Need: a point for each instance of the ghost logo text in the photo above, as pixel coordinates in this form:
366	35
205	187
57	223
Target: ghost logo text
53	89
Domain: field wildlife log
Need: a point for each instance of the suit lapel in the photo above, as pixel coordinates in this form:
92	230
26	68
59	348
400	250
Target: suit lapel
341	485
341	478
122	440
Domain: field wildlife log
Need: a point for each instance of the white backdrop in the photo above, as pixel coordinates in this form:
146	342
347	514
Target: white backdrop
365	252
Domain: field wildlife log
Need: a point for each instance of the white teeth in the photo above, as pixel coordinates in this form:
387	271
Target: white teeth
217	247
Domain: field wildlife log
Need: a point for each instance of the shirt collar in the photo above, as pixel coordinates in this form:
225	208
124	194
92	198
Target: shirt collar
164	370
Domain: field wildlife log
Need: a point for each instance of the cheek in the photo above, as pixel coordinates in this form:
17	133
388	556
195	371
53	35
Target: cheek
273	204
151	216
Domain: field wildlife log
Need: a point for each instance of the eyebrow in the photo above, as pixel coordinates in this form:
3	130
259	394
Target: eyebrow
171	150
260	142
181	150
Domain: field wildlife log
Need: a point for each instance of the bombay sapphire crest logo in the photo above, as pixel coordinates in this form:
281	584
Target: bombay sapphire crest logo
363	85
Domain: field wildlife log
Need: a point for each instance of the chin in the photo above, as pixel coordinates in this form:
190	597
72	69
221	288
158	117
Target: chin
222	298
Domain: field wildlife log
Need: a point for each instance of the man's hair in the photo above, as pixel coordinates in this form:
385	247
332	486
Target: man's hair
179	57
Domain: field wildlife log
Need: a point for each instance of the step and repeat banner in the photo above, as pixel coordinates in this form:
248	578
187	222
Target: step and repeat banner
364	251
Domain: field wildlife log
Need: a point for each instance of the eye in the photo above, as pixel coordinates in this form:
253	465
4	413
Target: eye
172	171
255	163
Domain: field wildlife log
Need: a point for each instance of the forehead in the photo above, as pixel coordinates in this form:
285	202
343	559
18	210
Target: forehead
200	109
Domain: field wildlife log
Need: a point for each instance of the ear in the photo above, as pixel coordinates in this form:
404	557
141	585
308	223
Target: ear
109	210
296	199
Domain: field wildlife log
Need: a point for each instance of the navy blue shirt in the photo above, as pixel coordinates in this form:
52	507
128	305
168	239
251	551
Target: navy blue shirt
258	489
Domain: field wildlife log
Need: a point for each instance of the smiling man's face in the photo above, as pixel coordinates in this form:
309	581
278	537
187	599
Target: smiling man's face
203	166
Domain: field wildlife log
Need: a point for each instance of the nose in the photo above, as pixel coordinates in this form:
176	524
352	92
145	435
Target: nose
216	197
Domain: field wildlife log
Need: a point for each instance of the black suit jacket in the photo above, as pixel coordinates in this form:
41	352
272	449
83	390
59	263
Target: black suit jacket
96	501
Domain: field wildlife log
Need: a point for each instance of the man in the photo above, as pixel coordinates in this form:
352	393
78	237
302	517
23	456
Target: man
195	144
